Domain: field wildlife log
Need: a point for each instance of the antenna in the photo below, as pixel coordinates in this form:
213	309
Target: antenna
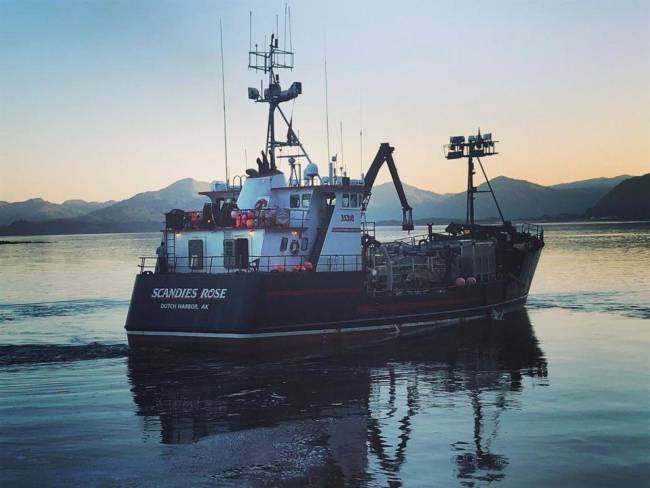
290	38
250	30
223	95
343	161
327	113
361	136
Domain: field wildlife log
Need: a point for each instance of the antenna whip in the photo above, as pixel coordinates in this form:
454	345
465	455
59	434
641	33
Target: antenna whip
223	95
327	113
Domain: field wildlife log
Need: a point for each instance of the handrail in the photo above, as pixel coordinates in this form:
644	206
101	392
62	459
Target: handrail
264	218
227	264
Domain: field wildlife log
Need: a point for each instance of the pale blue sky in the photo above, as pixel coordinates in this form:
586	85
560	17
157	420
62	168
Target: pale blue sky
100	100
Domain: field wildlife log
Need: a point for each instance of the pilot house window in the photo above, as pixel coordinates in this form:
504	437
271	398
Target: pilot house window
306	198
346	200
354	200
294	201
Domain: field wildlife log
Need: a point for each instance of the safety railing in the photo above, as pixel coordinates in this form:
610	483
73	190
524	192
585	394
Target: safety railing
533	230
264	218
236	264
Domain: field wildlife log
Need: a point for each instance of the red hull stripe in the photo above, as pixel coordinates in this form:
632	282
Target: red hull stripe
406	305
317	291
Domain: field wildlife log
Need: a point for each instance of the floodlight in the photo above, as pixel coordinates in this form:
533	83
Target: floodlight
253	93
455	140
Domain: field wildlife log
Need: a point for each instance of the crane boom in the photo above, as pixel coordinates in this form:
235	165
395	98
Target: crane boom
385	155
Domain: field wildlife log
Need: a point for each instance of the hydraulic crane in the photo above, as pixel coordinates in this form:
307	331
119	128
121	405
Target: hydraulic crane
385	155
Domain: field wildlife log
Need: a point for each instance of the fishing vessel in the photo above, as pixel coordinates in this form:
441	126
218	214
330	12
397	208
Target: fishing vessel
276	262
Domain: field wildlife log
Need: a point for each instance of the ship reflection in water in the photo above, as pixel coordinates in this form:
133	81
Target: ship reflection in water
429	400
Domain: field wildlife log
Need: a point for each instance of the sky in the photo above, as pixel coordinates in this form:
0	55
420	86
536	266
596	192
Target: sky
103	99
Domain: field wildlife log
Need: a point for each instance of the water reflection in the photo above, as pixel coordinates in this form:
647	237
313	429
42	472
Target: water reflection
366	402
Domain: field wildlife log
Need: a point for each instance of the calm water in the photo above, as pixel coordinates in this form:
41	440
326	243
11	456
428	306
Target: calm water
558	395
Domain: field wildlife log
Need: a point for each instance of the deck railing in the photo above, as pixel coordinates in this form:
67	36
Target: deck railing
265	218
229	264
533	230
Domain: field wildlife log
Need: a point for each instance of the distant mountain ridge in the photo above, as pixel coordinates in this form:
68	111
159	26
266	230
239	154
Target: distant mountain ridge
519	199
630	199
39	210
150	206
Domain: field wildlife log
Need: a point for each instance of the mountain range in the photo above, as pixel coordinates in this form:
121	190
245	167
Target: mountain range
630	198
518	199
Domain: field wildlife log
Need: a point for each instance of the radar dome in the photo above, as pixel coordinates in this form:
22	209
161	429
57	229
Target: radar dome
310	172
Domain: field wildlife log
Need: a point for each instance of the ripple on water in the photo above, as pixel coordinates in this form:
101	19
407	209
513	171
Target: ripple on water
627	303
10	312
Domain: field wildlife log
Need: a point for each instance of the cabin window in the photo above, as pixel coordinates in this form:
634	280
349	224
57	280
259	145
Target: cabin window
306	199
228	253
284	243
354	200
195	253
346	200
304	243
294	201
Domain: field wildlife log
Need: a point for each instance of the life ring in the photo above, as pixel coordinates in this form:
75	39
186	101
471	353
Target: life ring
294	247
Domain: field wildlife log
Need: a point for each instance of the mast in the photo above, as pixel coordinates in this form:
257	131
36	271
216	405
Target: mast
269	61
476	147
